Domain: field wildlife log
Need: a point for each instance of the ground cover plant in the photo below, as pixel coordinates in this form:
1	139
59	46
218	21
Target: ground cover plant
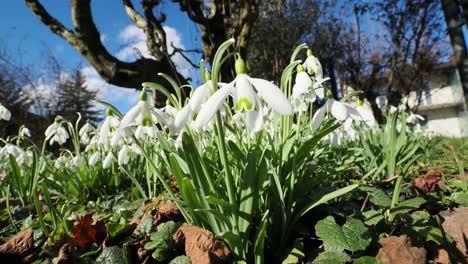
242	171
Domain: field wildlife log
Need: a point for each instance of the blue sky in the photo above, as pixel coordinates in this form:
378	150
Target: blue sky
21	30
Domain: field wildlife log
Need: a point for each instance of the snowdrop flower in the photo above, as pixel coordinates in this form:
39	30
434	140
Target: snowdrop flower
139	114
94	159
303	89
349	131
108	160
366	113
381	102
313	67
413	118
334	138
4	113
84	133
17	152
341	111
124	155
144	117
192	108
110	124
402	105
24	132
56	133
247	93
392	109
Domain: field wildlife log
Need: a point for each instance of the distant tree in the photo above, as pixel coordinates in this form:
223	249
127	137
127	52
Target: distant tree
75	97
281	26
415	33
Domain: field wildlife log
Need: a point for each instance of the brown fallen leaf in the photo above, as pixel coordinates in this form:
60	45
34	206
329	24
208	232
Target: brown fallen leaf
201	245
67	256
85	233
398	250
456	225
167	212
432	181
20	248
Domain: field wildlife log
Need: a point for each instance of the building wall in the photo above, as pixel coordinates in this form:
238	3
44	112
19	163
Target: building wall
452	120
443	122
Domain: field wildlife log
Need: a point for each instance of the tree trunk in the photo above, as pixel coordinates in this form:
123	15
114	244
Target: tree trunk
454	23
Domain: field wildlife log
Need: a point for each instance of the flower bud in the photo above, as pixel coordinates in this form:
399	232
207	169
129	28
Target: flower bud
143	96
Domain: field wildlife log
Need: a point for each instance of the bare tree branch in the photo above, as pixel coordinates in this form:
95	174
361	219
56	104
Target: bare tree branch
182	53
136	17
87	41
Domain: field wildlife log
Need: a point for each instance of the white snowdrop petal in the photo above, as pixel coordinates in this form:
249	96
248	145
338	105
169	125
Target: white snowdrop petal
132	115
272	95
338	110
211	106
318	118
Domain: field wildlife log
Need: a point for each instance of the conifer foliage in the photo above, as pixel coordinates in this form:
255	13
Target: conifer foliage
75	97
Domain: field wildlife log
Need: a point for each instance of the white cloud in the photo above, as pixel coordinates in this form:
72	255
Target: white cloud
122	98
104	38
134	41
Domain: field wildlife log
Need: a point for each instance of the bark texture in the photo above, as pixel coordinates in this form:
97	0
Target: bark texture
218	21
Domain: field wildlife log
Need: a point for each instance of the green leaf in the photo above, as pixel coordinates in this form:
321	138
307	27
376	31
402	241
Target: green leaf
111	107
352	236
147	225
248	193
161	254
460	198
115	229
110	255
378	197
367	260
181	260
217	201
327	197
332	257
296	254
151	245
373	217
260	241
432	233
408	206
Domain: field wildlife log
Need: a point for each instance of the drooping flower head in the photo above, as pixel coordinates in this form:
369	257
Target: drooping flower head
248	94
56	132
4	113
314	68
339	110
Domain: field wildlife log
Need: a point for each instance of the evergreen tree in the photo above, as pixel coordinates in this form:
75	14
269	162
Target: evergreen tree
75	97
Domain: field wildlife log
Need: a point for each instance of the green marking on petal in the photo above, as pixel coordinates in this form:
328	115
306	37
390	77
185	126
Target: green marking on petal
310	71
243	101
147	121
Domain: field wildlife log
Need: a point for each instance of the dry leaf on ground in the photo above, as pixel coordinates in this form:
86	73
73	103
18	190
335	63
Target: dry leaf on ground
201	245
20	247
398	250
